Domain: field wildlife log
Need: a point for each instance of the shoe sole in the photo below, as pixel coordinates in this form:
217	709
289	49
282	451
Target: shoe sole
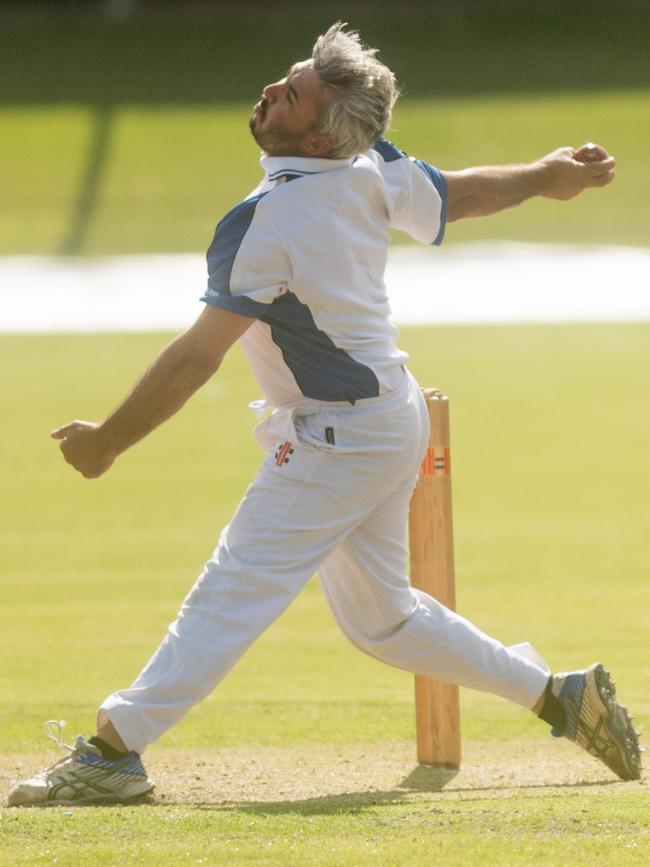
102	801
617	720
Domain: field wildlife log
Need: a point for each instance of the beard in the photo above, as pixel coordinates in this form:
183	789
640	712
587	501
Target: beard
274	140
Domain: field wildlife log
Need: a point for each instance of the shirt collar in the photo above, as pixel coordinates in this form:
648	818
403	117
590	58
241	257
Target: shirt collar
275	167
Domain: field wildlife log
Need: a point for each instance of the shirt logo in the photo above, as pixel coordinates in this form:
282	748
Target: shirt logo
283	453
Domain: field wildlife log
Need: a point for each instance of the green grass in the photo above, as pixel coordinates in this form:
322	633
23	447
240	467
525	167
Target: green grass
551	472
568	829
166	175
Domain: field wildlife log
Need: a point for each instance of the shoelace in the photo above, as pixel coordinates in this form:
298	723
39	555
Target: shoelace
57	725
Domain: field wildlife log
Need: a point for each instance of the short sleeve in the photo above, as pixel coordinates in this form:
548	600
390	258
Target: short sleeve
416	194
248	267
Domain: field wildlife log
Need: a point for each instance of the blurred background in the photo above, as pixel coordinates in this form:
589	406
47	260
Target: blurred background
123	124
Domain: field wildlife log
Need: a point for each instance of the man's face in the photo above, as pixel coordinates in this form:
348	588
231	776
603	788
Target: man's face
283	120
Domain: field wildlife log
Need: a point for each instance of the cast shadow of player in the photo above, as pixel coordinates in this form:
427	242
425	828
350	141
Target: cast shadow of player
421	779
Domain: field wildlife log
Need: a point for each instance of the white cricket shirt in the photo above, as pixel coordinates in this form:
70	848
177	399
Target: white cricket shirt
305	253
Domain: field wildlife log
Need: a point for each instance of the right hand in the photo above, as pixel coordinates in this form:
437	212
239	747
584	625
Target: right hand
84	448
572	170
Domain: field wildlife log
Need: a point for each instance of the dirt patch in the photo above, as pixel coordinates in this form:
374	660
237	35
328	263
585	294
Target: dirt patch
315	775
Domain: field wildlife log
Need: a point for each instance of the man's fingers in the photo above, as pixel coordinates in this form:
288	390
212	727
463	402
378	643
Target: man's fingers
603	165
603	180
600	169
61	433
600	173
603	170
81	449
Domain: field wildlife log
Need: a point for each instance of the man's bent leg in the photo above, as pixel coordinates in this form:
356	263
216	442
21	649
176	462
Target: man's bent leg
231	604
366	586
291	518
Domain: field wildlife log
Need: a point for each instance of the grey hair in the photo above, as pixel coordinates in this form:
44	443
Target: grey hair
363	91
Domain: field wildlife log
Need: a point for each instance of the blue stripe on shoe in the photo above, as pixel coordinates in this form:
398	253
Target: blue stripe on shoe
130	763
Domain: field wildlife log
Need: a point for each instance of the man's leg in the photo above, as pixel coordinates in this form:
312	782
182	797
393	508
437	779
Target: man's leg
307	497
366	585
263	559
290	519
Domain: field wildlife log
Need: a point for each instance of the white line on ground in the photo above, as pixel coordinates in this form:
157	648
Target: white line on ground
468	283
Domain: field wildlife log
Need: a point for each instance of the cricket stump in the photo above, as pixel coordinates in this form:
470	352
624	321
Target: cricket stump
431	543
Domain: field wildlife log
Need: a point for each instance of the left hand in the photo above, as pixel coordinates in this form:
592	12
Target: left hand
84	448
571	170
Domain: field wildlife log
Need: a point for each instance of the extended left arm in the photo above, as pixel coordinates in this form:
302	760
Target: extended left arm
562	174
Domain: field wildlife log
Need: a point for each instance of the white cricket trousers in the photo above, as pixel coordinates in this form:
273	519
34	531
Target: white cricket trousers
332	496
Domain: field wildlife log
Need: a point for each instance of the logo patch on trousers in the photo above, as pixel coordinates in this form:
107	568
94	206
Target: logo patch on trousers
283	453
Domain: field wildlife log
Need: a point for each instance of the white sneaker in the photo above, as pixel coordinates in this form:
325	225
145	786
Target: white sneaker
596	721
82	777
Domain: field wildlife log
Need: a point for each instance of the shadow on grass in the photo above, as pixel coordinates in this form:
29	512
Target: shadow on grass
92	176
421	779
351	803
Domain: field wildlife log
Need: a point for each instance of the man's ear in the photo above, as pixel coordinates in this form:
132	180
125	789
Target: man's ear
316	145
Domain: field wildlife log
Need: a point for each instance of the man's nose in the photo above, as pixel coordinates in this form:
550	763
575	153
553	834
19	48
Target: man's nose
273	91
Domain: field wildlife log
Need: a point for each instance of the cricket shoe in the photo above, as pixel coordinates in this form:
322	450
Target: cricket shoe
84	776
596	721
